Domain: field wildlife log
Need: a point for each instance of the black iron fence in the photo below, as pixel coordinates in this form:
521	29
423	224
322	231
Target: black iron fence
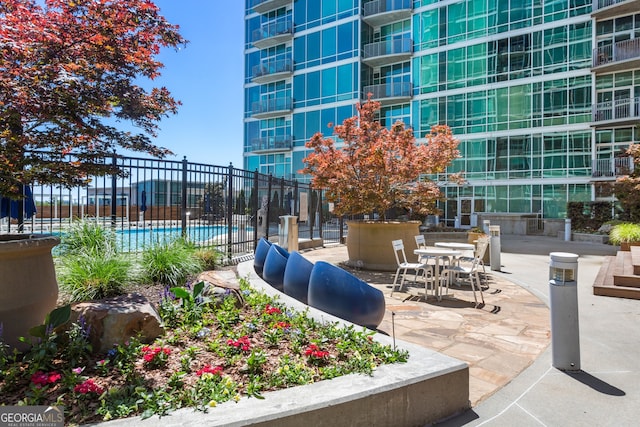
213	206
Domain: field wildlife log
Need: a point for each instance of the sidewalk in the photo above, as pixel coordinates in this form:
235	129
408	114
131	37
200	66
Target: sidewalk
506	344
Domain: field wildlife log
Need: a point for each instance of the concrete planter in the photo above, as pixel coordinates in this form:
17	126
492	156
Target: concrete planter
28	286
369	243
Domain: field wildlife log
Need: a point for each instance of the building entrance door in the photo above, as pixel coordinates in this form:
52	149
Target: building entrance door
465	212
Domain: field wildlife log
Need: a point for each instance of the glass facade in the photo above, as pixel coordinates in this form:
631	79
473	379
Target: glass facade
542	94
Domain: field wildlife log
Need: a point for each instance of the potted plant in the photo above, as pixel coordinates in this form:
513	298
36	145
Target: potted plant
626	234
376	170
68	70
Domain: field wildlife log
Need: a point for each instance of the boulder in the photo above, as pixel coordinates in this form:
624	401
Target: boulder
115	320
220	284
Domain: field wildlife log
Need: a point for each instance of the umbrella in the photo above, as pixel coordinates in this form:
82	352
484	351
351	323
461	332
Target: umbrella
10	207
143	201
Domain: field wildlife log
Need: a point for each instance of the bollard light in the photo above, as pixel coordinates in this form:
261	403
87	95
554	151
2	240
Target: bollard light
563	302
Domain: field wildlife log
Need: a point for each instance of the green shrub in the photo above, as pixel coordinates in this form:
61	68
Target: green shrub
94	275
87	236
170	262
210	258
625	233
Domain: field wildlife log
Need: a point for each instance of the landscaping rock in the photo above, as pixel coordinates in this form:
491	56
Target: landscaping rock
220	284
115	320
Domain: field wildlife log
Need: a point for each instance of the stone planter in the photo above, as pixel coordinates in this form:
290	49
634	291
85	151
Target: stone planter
369	243
28	286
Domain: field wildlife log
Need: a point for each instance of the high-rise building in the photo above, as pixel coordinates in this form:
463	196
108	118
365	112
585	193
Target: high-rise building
544	95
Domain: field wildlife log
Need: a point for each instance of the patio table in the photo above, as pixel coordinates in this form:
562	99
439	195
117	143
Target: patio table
436	253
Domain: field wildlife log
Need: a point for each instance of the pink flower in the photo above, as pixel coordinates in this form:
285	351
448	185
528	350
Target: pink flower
77	371
89	386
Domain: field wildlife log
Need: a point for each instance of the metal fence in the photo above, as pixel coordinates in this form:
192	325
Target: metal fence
213	206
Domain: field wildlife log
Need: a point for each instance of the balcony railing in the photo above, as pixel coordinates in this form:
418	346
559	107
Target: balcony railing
619	111
609	168
273	33
271	107
380	12
388	92
604	9
387	52
262	6
272	70
621	51
272	143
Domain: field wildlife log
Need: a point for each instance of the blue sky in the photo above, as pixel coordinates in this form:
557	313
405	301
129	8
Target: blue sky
207	76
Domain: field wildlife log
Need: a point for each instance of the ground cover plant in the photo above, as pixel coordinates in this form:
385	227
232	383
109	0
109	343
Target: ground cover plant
213	351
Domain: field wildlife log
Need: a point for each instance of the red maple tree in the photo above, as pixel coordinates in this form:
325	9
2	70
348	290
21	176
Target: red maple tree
375	168
69	71
627	188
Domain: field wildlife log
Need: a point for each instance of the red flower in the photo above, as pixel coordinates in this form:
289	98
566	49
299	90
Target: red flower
242	343
208	369
42	378
314	353
89	386
272	310
155	356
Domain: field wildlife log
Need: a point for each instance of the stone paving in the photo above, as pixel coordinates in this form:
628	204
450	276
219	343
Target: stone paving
498	340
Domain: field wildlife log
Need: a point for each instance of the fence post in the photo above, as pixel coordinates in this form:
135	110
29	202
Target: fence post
269	204
229	210
296	210
21	204
183	202
320	213
254	202
114	189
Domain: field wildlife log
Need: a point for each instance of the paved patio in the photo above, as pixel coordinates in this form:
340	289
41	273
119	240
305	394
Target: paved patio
498	340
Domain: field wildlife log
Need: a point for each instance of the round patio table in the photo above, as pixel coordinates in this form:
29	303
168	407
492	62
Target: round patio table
436	253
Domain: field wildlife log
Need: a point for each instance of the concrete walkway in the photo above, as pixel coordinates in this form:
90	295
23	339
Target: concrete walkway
506	342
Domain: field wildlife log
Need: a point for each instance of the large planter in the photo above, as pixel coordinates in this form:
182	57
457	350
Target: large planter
338	292
296	277
274	266
28	286
369	242
262	249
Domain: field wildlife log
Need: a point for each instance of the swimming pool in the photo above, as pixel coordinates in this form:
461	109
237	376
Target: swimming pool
135	239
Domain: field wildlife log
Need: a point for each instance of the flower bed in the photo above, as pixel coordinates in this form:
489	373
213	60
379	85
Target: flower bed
211	354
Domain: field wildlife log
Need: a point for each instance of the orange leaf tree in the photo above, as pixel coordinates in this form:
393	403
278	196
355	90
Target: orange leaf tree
627	188
69	70
376	168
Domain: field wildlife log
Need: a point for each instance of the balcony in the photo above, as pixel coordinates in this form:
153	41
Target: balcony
264	6
272	70
380	12
389	93
387	52
624	55
271	108
623	111
273	33
272	143
607	169
605	9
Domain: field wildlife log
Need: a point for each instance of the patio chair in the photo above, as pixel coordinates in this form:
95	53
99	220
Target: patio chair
404	266
471	269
